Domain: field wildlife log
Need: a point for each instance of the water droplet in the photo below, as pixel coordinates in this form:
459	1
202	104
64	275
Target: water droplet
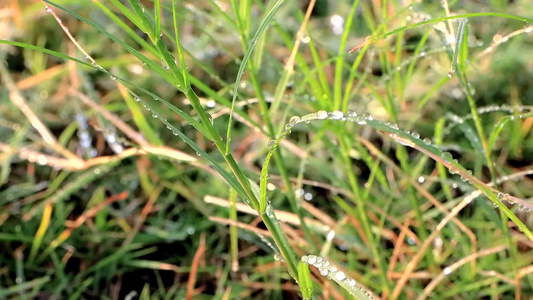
304	259
447	156
360	120
502	196
421	179
312	260
321	114
416	135
350	113
427	141
154	116
368	117
210	118
320	262
337	115
308	196
269	211
447	271
351	282
48	9
294	120
450	74
42	160
340	276
392	125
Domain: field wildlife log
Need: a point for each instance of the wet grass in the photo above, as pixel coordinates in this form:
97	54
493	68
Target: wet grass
224	150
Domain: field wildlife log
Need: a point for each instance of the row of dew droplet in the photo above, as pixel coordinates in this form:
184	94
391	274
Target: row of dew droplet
406	138
330	271
522	110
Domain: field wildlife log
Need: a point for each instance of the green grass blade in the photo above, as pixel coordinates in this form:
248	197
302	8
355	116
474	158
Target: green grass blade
304	280
262	27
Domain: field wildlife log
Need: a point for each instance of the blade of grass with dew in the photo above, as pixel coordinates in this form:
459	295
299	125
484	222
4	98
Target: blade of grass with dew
138	117
425	147
230	179
330	271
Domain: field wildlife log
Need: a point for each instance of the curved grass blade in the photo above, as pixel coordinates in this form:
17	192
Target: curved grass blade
391	130
304	280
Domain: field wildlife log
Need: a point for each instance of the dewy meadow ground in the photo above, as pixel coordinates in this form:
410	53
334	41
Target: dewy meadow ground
266	149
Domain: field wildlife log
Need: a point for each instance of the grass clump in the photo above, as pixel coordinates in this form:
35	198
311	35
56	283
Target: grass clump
136	132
